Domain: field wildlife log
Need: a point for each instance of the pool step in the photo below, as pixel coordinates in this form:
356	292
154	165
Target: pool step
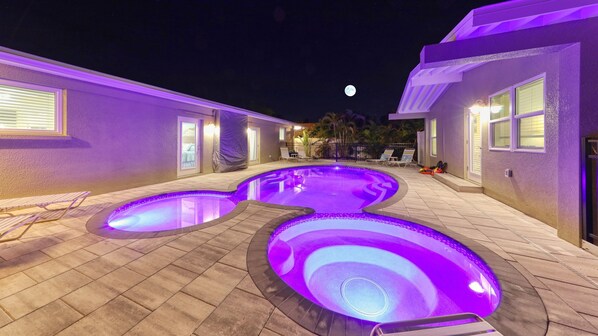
459	184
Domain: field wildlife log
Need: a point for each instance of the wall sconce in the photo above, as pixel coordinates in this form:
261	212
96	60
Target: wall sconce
478	107
210	129
297	127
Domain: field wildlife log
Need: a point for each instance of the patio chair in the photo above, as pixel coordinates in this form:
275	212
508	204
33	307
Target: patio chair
450	325
387	155
9	224
284	154
301	155
406	159
69	200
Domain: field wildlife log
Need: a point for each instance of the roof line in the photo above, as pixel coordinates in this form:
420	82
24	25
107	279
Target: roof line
27	61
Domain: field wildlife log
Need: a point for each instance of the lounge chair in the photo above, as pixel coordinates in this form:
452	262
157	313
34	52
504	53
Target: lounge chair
69	201
284	154
471	325
387	155
406	159
301	155
9	224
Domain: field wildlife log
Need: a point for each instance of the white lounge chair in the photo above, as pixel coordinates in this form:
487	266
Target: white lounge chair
68	200
284	154
9	224
471	325
406	159
387	155
301	155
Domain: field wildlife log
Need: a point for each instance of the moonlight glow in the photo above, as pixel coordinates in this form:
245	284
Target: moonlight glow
350	90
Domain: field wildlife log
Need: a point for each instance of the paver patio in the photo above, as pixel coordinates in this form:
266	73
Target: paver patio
61	279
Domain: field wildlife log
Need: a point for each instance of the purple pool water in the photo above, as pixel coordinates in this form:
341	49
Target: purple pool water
381	269
171	211
326	189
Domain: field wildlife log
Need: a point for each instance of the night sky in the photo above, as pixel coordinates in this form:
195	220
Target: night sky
288	58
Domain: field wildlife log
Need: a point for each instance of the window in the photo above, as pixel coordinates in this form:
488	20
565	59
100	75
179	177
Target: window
27	109
433	142
518	113
281	134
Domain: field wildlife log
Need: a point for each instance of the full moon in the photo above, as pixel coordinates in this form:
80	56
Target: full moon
350	90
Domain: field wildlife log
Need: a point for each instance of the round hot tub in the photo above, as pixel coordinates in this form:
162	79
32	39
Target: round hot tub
381	269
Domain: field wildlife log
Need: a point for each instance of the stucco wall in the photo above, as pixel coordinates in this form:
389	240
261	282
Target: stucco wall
116	140
533	188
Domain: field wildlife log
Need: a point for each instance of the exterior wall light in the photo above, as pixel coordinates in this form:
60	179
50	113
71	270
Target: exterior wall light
210	129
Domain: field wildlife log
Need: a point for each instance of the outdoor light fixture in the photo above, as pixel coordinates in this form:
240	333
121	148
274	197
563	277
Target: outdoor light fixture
209	129
478	107
297	127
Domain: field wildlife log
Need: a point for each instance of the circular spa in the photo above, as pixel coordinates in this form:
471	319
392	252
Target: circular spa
380	269
171	211
326	189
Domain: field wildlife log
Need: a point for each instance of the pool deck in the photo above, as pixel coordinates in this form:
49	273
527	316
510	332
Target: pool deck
61	279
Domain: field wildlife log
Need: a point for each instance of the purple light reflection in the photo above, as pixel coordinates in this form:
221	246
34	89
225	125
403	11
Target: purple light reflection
381	269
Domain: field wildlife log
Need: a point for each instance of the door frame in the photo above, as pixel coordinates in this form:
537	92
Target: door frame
257	145
184	172
469	175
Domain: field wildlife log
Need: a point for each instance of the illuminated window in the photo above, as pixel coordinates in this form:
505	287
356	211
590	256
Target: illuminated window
518	113
529	115
281	134
27	109
433	142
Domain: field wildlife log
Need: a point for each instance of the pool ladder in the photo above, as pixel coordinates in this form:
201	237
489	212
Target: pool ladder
466	324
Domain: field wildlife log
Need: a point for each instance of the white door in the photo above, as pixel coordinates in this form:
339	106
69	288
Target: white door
253	142
188	146
474	164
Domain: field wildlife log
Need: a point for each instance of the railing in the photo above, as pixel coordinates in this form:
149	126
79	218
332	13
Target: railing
349	152
589	184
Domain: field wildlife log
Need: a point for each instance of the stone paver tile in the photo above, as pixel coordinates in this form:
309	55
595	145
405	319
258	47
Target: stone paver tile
585	266
268	332
46	270
447	213
592	319
149	244
496	249
530	277
559	312
4	319
76	258
504	234
15	283
22	263
101	266
240	313
524	249
481	221
68	234
69	246
280	323
575	296
237	257
556	329
247	285
158	288
201	258
190	241
47	320
18	249
228	239
185	311
215	283
93	295
155	260
102	247
28	300
551	270
471	233
452	221
114	318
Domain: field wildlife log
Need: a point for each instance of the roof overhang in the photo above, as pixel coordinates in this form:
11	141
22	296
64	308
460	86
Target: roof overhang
40	64
520	28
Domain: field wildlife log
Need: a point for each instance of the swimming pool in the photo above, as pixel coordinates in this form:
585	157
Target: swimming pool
380	269
326	189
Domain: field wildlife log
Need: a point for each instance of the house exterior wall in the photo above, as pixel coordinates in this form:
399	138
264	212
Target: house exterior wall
269	141
534	186
116	139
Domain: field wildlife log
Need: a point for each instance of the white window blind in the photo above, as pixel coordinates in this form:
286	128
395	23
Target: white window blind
28	109
281	133
433	139
530	97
